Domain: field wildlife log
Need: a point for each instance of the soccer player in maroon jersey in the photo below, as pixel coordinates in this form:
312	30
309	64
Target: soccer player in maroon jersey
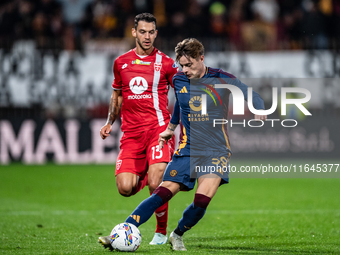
140	88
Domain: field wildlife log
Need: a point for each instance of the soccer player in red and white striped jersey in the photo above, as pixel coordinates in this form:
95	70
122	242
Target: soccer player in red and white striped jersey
140	88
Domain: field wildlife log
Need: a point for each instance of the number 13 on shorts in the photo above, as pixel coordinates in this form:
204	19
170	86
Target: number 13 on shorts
158	155
156	152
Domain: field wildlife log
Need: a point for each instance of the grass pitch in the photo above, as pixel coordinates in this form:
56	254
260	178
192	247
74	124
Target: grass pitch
53	209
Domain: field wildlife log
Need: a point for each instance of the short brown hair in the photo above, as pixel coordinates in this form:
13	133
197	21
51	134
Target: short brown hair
189	47
147	17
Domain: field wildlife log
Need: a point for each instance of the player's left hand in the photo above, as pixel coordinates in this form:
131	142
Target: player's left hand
164	137
260	117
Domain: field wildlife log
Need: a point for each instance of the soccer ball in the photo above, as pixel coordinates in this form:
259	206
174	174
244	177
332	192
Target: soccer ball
125	237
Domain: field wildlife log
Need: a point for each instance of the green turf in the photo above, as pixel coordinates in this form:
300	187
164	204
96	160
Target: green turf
55	209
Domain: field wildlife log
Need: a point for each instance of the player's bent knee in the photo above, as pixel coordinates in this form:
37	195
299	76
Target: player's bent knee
125	193
124	189
126	184
153	185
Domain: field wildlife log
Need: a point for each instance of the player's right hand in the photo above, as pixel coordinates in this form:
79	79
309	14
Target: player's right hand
105	131
164	137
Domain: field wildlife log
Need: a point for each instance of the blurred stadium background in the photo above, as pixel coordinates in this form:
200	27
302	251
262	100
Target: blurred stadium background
56	60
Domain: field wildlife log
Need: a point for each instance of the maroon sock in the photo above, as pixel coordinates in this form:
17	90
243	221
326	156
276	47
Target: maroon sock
201	200
164	193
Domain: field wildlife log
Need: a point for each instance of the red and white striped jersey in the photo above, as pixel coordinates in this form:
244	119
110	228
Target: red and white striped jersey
144	82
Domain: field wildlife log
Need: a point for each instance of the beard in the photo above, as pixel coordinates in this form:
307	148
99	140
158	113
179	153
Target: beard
141	45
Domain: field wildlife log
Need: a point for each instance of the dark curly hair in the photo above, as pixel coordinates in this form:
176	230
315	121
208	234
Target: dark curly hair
148	17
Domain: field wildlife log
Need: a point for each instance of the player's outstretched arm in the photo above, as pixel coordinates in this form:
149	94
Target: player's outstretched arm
166	135
114	110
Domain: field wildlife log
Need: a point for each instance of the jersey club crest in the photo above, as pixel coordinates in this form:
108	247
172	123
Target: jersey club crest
158	66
